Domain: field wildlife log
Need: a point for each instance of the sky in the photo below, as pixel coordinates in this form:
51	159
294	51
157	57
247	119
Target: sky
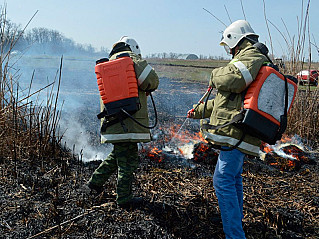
178	26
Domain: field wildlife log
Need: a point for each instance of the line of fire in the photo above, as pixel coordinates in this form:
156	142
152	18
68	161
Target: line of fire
179	138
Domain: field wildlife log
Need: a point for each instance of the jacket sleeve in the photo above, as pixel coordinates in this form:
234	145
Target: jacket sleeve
146	76
238	74
208	111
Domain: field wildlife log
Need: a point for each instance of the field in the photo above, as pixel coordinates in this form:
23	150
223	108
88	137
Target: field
44	197
186	70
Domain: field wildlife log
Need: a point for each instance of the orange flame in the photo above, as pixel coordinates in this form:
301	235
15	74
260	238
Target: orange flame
155	153
295	154
201	152
266	148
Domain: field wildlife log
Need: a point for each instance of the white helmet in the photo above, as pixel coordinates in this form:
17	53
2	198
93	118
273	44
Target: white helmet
131	43
235	32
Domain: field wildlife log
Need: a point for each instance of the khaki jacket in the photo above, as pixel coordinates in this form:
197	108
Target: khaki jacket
233	78
147	81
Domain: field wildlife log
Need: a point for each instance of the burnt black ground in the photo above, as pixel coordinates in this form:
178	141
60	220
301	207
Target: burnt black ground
179	202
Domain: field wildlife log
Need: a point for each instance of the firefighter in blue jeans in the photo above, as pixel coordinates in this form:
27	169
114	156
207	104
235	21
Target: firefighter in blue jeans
230	82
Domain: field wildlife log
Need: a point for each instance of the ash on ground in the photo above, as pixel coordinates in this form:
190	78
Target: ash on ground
46	198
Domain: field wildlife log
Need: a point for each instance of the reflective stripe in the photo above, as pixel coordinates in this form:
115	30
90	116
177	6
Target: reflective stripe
135	136
232	141
144	74
244	71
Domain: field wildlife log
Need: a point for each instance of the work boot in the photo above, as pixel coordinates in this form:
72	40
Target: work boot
95	189
135	202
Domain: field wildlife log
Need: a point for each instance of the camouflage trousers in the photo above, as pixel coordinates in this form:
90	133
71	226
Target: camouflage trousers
124	160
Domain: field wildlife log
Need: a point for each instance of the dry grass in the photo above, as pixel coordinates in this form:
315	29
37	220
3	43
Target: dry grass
304	116
28	125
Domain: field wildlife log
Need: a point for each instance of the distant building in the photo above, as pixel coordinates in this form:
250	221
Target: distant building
188	57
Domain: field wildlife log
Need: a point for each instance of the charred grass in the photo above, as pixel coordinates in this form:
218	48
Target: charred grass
42	193
47	200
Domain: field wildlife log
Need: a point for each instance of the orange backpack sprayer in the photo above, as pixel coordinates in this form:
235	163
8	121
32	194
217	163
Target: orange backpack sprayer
118	88
266	103
117	85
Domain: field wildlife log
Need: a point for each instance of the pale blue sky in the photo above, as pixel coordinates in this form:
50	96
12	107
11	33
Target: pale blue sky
162	26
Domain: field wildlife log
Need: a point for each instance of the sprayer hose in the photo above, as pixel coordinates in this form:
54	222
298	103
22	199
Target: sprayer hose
144	126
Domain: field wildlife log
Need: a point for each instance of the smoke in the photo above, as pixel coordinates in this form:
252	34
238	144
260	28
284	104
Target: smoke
278	147
79	139
79	99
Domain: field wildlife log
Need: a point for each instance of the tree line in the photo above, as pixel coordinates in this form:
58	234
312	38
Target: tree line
52	42
42	41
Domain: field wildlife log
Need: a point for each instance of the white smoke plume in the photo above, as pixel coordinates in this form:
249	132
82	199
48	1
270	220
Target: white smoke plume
77	137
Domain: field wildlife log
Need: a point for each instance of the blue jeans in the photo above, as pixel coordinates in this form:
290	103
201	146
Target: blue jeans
229	190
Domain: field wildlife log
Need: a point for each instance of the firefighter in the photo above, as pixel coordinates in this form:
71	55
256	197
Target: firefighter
126	134
230	82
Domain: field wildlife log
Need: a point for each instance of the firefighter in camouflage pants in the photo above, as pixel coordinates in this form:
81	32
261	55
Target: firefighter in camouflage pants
123	159
127	134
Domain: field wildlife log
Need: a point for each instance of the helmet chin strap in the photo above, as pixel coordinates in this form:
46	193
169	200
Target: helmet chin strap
233	51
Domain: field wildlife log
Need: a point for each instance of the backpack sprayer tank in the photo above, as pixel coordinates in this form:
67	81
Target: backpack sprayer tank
266	103
117	85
